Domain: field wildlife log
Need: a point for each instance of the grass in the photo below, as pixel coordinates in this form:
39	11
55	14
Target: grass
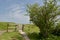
30	28
33	33
11	36
3	25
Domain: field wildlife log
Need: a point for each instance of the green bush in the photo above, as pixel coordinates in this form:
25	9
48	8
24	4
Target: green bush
33	33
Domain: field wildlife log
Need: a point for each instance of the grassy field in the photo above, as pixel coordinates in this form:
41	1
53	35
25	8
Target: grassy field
11	36
3	25
33	33
31	30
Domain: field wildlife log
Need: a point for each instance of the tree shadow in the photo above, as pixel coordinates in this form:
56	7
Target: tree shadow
33	36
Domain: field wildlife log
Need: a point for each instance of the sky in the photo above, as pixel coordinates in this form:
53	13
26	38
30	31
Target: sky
15	10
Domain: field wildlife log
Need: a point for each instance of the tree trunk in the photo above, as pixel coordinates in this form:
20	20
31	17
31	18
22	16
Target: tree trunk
44	33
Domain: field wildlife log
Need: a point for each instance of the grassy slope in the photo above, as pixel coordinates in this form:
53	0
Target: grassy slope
33	31
3	25
31	28
11	36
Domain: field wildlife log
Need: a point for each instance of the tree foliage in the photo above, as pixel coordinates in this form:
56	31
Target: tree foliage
44	16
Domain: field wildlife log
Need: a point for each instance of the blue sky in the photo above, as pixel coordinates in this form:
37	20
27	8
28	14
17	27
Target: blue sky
14	10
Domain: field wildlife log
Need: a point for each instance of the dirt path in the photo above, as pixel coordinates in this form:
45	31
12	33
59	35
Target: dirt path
1	32
24	35
20	31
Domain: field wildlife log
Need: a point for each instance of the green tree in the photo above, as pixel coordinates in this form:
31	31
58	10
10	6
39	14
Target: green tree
56	31
44	16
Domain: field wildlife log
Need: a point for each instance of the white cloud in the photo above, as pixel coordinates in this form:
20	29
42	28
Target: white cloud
16	13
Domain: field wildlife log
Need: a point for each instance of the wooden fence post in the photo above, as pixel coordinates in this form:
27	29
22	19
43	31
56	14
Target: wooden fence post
7	27
15	28
22	27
